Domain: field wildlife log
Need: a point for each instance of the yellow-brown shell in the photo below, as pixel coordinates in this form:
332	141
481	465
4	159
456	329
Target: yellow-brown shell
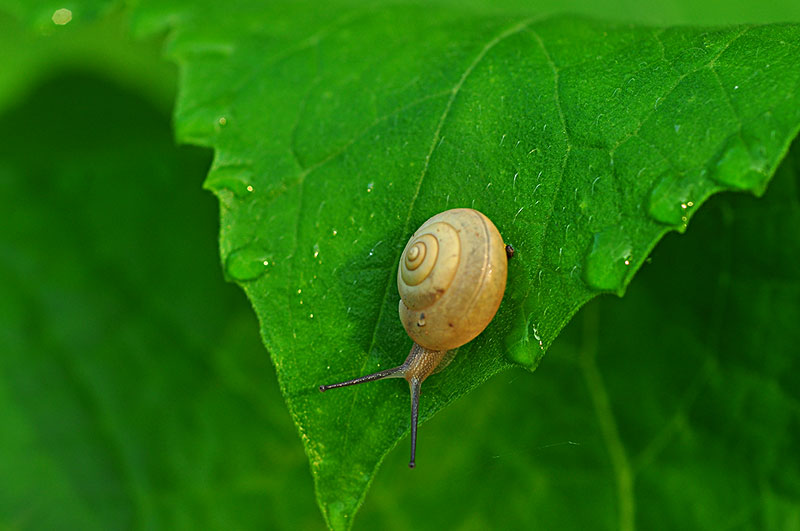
451	279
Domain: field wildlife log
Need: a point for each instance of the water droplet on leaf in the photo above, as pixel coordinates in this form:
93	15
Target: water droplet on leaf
234	177
738	166
523	342
672	197
62	16
247	263
608	262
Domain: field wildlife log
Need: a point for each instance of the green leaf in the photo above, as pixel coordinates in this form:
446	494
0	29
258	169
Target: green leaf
131	395
126	399
134	392
338	131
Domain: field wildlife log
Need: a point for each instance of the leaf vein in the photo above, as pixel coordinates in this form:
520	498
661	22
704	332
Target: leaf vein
567	151
434	144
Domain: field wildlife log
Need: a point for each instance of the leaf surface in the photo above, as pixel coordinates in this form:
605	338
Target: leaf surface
338	131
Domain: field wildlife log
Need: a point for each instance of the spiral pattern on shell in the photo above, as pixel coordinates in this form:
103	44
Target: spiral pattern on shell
451	278
429	264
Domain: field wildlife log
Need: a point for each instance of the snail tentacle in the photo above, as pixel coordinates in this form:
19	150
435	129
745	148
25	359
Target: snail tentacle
395	372
415	384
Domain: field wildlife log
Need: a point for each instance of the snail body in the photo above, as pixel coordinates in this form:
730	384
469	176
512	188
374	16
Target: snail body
451	279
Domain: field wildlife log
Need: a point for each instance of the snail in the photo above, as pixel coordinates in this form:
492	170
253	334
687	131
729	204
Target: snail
451	279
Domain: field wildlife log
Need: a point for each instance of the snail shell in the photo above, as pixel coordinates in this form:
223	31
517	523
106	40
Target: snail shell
451	279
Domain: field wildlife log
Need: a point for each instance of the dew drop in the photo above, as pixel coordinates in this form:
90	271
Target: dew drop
62	16
520	353
607	263
736	165
370	186
421	320
672	197
234	177
247	263
523	344
316	250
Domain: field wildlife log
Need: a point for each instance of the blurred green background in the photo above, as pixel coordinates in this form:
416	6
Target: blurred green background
135	392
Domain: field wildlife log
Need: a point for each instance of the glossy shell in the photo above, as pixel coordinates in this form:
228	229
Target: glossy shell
451	279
